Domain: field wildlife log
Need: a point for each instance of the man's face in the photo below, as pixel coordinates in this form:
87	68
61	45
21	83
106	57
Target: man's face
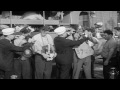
106	36
44	33
65	35
11	37
80	31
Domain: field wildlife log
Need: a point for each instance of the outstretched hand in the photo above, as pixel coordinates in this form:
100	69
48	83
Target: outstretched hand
106	63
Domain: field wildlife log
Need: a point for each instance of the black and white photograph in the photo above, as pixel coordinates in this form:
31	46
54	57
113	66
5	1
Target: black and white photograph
59	44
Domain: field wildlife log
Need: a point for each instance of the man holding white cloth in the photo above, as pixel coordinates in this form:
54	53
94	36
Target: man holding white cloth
84	52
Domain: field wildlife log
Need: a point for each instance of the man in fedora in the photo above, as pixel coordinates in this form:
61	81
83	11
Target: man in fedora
7	50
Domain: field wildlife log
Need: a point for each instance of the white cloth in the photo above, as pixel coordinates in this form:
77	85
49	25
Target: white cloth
40	41
84	50
34	17
91	43
8	31
20	41
60	30
98	35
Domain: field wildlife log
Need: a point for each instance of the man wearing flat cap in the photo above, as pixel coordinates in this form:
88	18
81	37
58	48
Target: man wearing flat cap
7	50
64	52
43	67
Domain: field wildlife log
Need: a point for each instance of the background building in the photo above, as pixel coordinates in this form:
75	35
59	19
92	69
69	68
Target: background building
89	18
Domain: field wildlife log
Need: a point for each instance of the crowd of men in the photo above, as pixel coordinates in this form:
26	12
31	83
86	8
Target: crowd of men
25	54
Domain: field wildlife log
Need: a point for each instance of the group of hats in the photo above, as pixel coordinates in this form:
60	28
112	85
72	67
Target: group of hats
10	31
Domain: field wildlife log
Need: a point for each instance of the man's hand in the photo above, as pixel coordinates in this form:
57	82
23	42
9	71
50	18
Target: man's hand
45	55
85	38
106	62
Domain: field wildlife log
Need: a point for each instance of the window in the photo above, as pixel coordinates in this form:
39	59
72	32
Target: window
86	21
85	16
118	17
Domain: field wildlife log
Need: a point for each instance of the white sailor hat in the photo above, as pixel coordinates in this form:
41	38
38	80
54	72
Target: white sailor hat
60	30
99	23
8	31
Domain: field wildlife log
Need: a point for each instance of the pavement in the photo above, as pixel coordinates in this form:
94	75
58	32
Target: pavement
98	69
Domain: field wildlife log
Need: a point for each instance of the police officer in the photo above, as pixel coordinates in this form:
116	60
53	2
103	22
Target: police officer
7	50
64	51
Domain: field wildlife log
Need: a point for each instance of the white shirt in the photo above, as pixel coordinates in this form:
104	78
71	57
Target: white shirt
41	41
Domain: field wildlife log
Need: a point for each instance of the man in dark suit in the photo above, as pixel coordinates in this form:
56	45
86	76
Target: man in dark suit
64	51
7	50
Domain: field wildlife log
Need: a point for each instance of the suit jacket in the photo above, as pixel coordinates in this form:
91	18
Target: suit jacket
7	50
64	49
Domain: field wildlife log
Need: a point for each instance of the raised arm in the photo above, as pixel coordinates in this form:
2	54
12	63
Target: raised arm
16	48
71	43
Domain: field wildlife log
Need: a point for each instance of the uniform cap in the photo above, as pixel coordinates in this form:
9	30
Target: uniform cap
8	31
60	30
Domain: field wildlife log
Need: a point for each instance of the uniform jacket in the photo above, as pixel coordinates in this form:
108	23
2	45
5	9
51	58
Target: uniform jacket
7	50
64	49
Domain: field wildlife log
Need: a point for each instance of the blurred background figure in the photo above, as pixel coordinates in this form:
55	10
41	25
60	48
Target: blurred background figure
32	16
98	29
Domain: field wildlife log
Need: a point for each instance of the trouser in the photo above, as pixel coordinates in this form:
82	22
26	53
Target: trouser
22	69
92	65
43	69
106	68
5	73
118	62
63	71
75	62
86	63
8	74
2	74
33	66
